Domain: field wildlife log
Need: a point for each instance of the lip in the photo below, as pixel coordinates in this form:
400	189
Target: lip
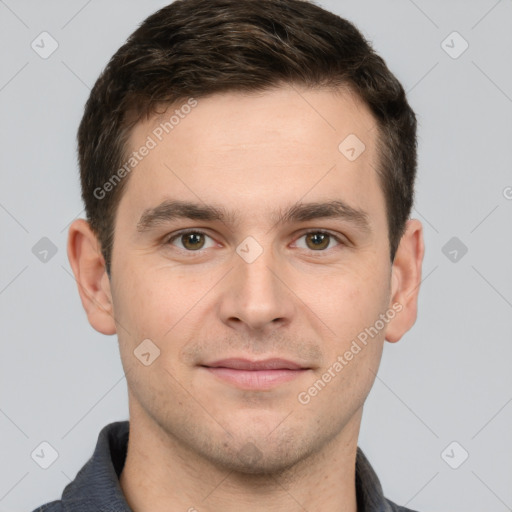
255	375
248	365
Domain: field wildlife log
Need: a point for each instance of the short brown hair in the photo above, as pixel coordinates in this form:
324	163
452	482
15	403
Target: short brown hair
194	48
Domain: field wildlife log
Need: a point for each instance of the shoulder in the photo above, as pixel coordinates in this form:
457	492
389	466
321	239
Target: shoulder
393	507
54	506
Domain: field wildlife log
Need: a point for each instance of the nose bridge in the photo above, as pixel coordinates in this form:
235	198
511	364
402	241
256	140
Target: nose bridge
255	296
255	270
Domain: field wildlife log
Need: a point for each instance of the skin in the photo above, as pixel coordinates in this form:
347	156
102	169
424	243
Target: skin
196	441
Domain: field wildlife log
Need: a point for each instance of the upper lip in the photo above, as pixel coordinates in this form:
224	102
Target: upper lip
247	364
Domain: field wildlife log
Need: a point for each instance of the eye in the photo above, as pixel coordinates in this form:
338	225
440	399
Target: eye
319	240
190	240
195	240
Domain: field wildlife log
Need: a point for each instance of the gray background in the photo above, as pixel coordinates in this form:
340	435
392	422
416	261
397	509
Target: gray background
448	380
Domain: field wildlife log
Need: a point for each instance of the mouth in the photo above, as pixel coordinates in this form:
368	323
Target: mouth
255	375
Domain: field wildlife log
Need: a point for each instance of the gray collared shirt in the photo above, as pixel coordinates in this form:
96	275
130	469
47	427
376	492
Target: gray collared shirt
96	487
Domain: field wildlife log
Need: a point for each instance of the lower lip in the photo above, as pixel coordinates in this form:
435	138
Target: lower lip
256	379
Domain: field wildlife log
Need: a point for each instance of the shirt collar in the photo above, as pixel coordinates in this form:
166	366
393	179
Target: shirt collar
96	486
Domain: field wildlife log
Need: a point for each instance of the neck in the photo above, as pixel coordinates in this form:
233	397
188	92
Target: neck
161	474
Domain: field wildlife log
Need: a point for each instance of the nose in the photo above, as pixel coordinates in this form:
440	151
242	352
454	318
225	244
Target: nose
255	295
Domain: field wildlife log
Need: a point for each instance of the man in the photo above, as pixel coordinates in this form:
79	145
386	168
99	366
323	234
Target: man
248	172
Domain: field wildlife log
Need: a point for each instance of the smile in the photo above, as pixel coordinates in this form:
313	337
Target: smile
255	375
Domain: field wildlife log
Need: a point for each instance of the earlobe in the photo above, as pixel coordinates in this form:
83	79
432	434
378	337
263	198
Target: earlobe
406	280
93	283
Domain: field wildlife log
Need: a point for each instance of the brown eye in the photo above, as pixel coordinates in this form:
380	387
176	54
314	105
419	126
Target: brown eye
189	240
317	241
192	241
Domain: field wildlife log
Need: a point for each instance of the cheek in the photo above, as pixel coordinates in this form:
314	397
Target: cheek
143	306
352	346
348	300
160	303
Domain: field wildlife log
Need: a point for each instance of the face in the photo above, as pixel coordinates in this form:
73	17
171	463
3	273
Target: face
252	296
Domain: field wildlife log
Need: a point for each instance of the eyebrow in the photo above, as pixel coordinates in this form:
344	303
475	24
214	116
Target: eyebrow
301	212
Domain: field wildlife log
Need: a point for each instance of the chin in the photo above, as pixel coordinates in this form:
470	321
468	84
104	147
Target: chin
261	457
250	461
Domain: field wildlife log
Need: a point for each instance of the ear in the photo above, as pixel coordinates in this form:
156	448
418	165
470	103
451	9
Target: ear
91	277
406	280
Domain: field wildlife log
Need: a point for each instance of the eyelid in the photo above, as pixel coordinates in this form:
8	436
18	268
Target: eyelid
173	236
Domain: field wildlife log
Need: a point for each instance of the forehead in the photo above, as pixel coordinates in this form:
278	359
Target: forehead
307	114
259	149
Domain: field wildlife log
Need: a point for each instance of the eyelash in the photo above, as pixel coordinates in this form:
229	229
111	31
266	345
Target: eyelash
169	240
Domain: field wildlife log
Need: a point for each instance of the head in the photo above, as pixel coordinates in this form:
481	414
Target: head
274	134
190	50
